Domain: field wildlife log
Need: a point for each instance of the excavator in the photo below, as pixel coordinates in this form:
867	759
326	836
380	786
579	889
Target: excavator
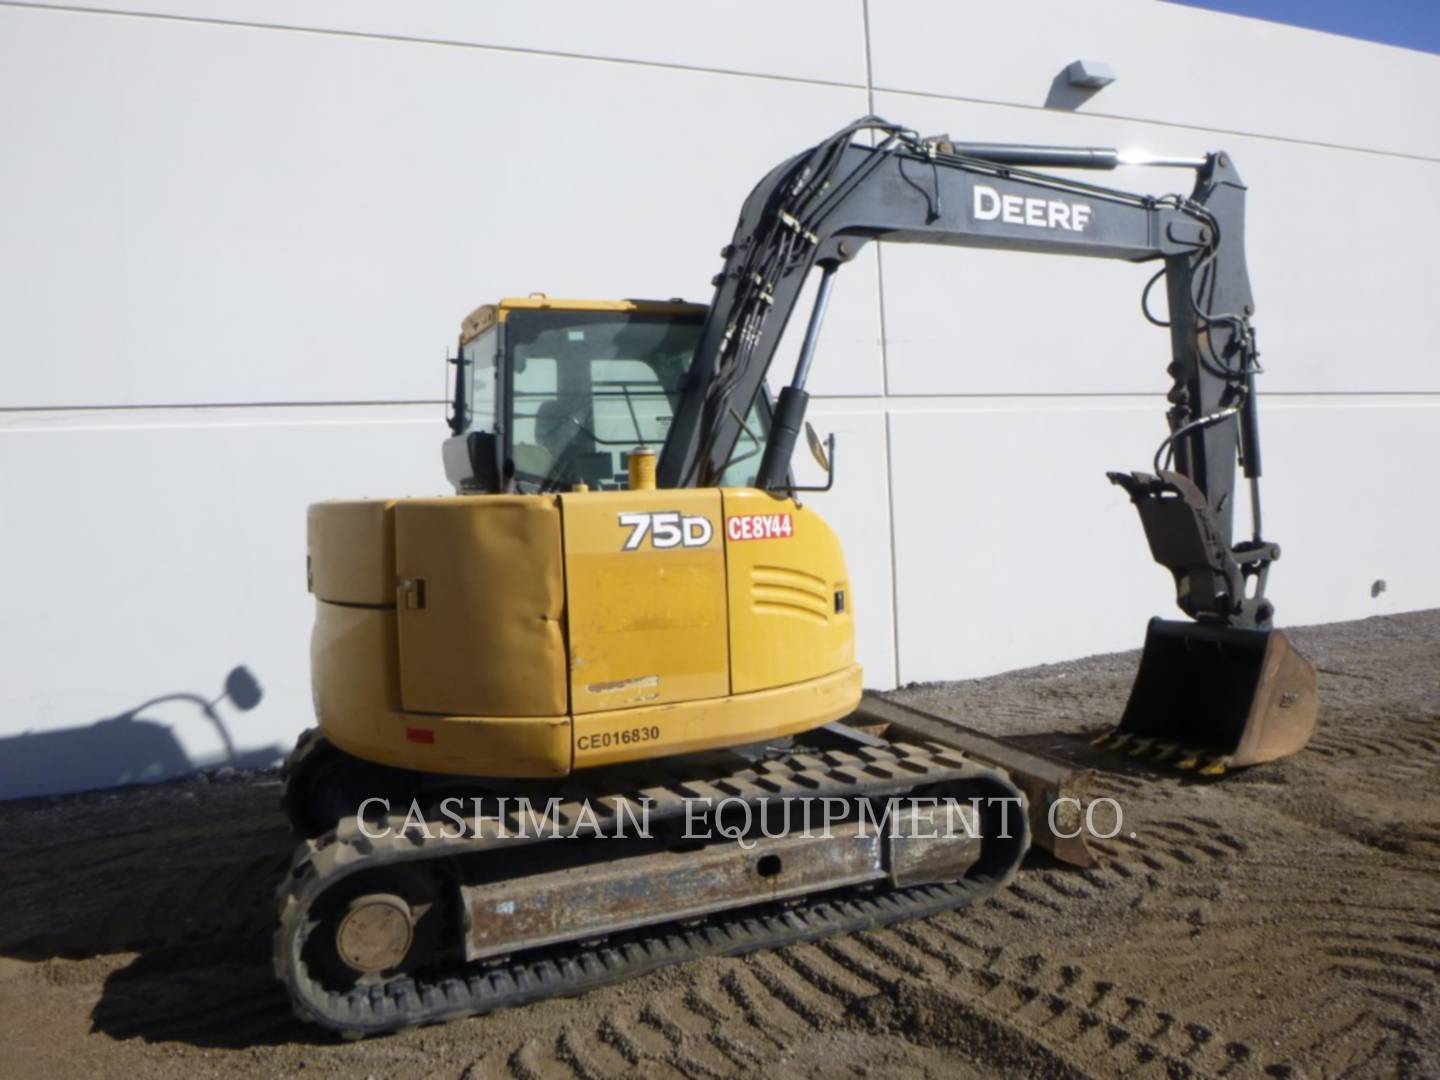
619	635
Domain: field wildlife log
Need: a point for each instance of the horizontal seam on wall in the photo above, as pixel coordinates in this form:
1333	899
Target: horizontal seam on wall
1291	140
696	68
218	424
1265	395
157	406
369	35
1099	395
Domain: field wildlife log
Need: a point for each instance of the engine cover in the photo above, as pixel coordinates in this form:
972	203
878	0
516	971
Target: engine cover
530	635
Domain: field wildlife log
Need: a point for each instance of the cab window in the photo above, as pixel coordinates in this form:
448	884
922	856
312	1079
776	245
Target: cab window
588	387
479	356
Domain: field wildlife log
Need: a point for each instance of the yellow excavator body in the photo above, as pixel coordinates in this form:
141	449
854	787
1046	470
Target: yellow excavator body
535	635
612	631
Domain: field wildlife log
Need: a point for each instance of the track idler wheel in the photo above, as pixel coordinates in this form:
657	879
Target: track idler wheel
383	923
375	933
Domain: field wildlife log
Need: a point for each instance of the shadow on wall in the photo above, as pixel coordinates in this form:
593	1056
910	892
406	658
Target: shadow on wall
125	749
1064	96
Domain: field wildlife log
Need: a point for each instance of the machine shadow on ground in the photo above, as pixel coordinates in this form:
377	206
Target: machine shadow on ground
184	877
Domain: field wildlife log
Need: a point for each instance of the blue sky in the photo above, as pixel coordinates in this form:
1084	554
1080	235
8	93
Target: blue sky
1412	24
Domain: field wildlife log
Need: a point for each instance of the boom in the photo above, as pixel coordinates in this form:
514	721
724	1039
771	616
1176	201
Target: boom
820	207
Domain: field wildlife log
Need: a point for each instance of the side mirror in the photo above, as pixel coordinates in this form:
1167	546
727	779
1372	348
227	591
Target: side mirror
824	454
817	450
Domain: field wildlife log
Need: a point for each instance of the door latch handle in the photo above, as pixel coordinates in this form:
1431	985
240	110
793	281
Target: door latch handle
413	590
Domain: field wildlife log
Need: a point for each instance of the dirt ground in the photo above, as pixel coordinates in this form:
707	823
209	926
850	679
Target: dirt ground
1283	921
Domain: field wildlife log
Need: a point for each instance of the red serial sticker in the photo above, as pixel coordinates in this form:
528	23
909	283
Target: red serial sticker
760	527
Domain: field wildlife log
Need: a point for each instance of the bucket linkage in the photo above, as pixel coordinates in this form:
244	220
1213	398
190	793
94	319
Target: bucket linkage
1227	690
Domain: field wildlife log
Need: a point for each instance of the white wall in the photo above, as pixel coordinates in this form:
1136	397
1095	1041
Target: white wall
236	238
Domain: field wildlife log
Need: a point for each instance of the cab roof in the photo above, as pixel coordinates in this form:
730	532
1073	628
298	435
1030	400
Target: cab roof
487	315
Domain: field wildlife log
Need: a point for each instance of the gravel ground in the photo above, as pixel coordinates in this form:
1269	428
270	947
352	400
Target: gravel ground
1283	921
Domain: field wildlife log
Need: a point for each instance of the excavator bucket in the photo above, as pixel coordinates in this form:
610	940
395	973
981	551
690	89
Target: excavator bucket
1214	697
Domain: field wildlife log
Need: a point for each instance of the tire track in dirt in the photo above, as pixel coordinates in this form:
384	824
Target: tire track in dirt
1324	911
1420	736
1094	1019
1088	1020
731	1017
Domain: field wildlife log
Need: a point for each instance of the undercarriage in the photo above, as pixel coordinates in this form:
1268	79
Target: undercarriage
444	900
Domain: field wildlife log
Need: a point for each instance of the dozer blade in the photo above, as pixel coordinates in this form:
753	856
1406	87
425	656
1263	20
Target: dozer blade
1223	697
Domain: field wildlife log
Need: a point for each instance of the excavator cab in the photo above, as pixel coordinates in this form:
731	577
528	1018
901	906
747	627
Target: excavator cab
551	395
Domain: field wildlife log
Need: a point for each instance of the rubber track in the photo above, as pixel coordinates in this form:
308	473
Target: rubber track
566	970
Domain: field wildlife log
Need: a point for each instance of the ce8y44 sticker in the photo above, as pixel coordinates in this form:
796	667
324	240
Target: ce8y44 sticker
760	527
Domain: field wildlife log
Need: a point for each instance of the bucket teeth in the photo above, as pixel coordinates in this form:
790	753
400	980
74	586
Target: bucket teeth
1176	755
1139	747
1206	764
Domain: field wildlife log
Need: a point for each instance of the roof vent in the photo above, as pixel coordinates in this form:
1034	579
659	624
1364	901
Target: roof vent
1090	74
